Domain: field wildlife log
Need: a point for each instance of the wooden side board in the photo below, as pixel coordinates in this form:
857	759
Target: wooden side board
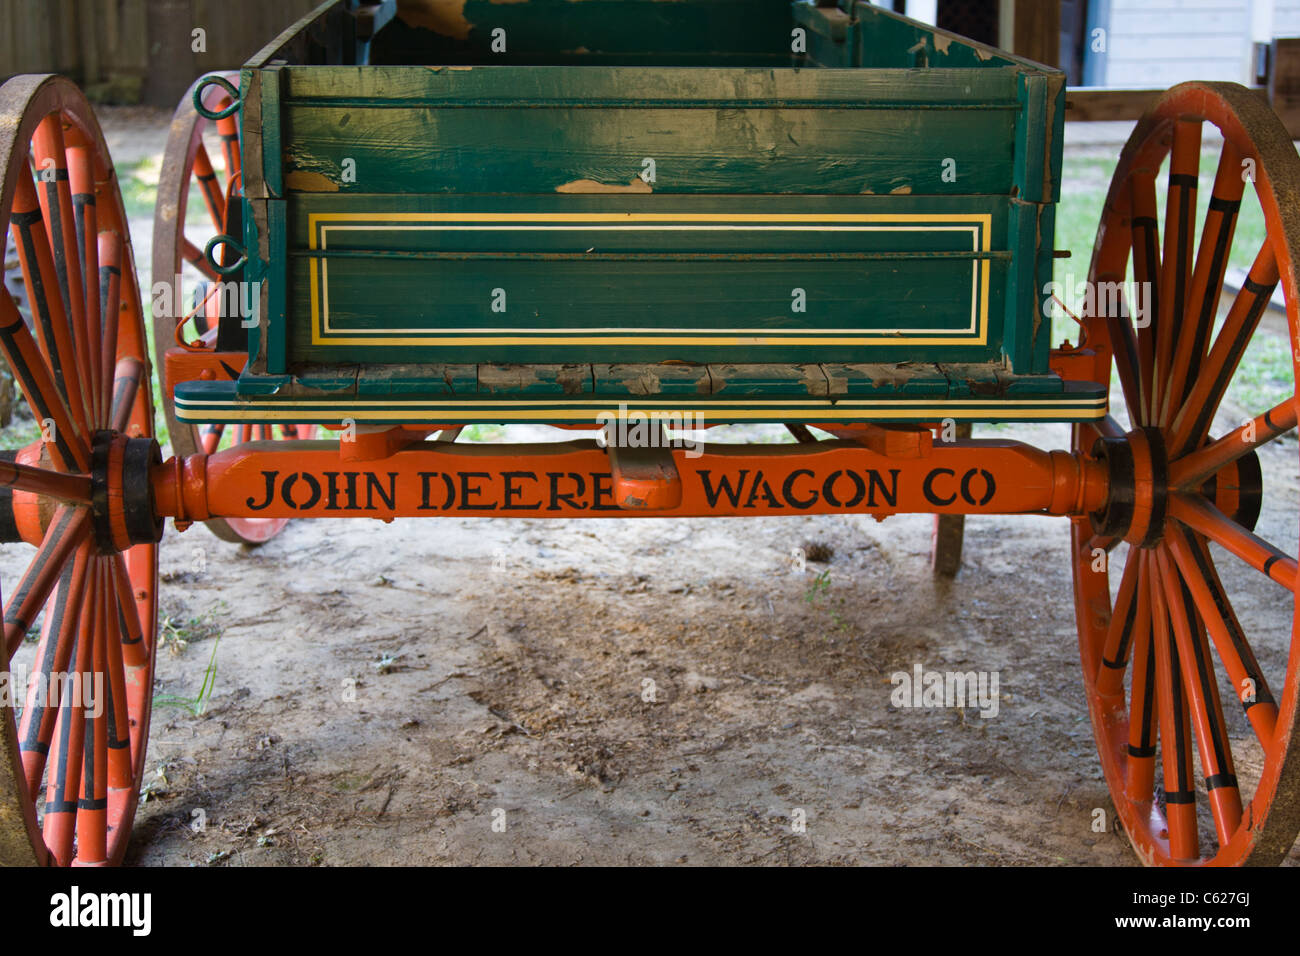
491	213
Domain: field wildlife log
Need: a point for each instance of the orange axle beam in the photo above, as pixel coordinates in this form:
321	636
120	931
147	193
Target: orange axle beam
297	479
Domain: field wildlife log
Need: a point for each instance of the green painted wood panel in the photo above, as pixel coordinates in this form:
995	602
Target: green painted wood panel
645	278
547	129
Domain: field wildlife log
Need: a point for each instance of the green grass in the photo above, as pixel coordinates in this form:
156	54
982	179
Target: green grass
484	433
139	184
197	704
176	635
1266	376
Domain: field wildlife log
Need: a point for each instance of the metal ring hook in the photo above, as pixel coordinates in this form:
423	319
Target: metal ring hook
225	84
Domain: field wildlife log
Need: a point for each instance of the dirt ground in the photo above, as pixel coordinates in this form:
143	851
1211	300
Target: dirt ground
475	691
499	665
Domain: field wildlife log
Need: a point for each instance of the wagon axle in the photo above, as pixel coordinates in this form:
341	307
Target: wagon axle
289	479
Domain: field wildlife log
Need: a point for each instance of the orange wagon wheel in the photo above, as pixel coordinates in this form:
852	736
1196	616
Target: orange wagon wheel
183	226
1191	685
74	751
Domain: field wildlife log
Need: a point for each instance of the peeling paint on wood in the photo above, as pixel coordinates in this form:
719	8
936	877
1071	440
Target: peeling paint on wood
534	379
591	187
309	182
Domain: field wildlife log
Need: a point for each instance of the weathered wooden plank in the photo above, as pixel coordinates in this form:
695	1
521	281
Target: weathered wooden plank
652	379
514	379
398	87
526	150
1101	103
731	381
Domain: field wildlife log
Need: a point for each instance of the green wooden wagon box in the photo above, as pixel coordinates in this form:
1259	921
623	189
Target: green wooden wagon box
747	210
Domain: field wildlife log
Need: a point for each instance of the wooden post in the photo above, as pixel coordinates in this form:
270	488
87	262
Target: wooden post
1284	83
1036	30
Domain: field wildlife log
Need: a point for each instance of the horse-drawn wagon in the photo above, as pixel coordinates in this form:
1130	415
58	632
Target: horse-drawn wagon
631	219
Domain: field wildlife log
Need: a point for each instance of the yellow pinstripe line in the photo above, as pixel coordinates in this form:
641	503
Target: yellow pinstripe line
802	337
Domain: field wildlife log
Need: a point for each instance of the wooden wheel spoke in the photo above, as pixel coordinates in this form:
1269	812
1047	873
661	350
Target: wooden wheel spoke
71	489
1207	279
68	448
1203	701
1128	364
67	530
110	286
228	130
58	637
210	187
60	222
1204	518
1193	419
1175	730
134	647
1140	765
1146	273
116	612
1211	599
1129	615
1176	262
126	386
63	783
85	221
210	436
1191	471
92	801
42	283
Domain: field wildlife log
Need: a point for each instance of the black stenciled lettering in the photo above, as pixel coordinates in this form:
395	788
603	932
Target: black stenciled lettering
313	491
557	496
466	491
512	492
788	490
373	487
602	489
270	492
724	487
889	492
927	487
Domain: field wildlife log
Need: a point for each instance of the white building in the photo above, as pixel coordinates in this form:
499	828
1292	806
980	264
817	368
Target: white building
1141	43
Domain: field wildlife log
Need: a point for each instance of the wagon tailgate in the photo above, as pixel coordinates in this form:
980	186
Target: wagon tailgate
502	214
